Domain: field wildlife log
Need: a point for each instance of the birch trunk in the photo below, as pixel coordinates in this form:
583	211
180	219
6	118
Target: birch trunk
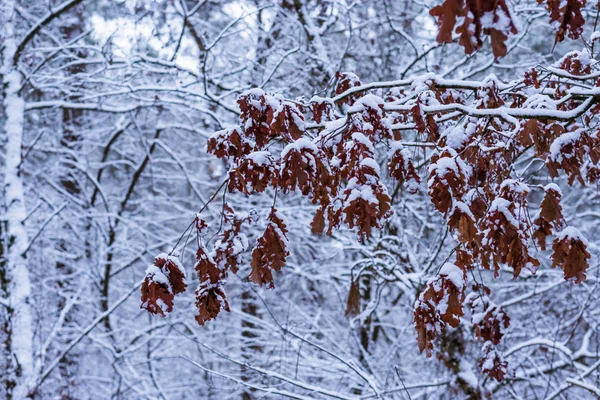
20	321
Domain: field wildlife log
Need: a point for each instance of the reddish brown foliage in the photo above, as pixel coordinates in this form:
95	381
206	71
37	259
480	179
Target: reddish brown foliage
232	242
447	180
366	201
488	17
254	173
265	117
403	170
493	363
462	220
570	254
164	279
353	301
270	252
568	15
210	296
550	215
346	81
568	152
229	143
506	239
489	328
440	303
303	167
322	109
472	148
539	135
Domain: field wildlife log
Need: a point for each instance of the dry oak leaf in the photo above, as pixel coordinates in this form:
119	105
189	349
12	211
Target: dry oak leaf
489	320
353	301
287	121
568	15
490	326
230	142
440	303
305	167
476	18
253	173
567	152
462	220
447	180
366	202
346	81
570	254
505	241
368	117
253	106
164	279
322	109
402	169
493	363
210	295
550	214
540	135
270	252
229	247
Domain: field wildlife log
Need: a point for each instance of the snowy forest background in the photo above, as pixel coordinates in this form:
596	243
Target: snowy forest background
106	114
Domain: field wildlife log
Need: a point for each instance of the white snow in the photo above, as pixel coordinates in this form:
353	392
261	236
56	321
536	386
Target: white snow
298	145
561	141
371	163
261	158
503	206
367	101
570	232
454	274
362	139
554	187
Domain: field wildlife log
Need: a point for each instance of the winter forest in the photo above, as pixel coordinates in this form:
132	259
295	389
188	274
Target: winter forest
299	199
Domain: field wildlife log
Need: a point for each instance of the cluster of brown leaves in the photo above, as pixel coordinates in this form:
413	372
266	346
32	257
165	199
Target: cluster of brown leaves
489	329
213	267
356	195
440	303
540	135
345	82
164	279
232	243
425	123
493	363
266	117
570	254
506	241
402	169
229	143
365	201
567	15
254	173
569	151
472	19
489	322
550	215
270	252
303	167
487	17
210	294
339	174
447	179
469	182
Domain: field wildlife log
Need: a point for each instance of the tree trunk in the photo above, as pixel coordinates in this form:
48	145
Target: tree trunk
19	340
